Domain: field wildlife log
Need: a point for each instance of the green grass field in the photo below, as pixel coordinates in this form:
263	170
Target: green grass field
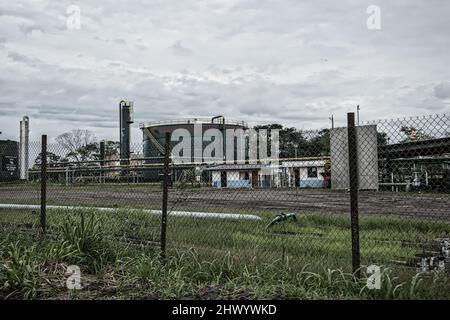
118	253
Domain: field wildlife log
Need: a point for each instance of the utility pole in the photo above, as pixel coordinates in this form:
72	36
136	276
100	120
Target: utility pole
332	121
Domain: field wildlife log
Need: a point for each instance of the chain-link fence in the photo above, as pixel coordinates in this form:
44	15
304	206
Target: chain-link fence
393	175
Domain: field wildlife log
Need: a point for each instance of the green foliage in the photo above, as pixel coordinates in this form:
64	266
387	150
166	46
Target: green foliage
87	152
185	275
52	159
382	138
294	142
20	273
85	234
413	134
81	145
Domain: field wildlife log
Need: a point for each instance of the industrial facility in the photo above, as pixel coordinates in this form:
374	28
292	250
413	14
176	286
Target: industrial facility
403	166
9	160
422	164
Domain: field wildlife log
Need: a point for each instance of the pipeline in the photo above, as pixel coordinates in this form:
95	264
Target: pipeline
189	214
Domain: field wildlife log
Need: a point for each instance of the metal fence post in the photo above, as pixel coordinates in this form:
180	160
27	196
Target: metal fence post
102	161
42	216
353	183
165	195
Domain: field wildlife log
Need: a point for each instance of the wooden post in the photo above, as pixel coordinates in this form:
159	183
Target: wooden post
353	182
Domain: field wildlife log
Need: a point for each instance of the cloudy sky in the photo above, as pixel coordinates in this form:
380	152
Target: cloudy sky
291	61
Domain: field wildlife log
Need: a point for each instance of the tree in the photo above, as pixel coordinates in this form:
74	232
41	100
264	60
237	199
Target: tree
291	140
79	144
414	134
320	145
52	159
382	138
294	144
88	152
112	148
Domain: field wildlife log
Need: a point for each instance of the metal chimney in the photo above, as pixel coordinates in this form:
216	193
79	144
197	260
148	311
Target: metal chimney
126	118
24	147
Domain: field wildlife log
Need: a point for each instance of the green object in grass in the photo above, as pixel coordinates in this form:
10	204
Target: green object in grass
282	217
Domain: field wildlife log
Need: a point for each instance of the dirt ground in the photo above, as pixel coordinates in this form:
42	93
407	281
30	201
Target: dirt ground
253	201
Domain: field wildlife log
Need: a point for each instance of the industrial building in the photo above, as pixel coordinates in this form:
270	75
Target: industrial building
305	173
422	164
300	173
236	175
9	160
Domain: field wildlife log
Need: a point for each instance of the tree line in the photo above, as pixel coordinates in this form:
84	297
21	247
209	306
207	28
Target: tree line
79	146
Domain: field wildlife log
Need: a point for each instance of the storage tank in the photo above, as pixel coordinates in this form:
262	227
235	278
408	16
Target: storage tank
9	160
154	134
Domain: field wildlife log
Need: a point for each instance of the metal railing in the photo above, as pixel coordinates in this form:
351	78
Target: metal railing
191	121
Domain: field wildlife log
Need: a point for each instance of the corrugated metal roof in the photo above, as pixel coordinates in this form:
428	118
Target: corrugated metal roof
236	167
302	164
284	164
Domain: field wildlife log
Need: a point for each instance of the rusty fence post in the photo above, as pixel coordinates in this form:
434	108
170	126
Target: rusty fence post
102	161
43	213
165	196
353	183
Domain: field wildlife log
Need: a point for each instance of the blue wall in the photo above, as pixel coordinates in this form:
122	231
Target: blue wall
233	184
313	183
238	183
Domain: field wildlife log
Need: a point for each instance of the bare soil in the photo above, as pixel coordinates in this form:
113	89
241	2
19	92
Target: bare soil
252	201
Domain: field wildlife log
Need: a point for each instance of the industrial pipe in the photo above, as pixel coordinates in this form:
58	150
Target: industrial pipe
223	134
24	147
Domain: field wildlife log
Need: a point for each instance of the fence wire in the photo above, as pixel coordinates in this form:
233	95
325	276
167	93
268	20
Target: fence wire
295	212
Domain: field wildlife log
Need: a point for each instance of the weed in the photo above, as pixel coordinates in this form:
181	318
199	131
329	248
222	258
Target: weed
20	273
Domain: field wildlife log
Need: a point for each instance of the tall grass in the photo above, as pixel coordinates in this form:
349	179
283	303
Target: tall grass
231	259
185	275
20	273
83	231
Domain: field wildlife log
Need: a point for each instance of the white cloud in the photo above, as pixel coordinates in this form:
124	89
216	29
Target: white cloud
442	90
256	60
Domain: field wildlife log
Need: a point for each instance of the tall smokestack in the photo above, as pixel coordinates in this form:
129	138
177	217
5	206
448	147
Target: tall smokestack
126	118
24	140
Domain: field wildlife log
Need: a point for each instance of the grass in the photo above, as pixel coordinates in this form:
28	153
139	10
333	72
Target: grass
119	257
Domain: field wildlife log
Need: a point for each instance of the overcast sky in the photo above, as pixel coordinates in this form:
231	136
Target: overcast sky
291	61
